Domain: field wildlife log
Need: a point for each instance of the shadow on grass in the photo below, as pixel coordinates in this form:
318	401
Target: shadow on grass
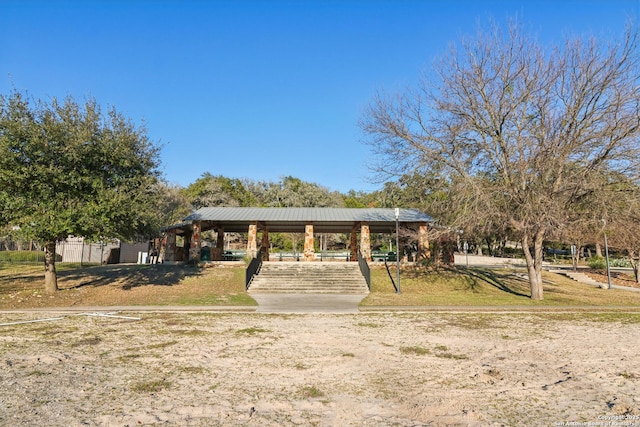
501	281
492	278
127	276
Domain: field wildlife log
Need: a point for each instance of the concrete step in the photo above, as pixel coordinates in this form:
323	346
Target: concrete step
579	277
309	277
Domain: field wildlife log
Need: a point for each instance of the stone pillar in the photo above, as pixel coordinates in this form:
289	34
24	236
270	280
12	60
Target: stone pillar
216	253
264	248
309	251
423	242
252	241
365	241
196	242
184	252
168	250
353	243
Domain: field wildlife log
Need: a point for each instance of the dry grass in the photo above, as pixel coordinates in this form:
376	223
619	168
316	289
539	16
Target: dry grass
111	285
131	285
486	287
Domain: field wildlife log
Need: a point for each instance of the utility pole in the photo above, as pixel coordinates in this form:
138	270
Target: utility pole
397	252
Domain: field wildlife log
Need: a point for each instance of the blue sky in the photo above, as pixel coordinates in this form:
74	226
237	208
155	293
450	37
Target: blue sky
257	89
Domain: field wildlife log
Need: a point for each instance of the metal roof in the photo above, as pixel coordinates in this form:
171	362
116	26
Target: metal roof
325	220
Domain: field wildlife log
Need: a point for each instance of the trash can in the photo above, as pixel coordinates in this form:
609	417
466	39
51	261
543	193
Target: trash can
205	254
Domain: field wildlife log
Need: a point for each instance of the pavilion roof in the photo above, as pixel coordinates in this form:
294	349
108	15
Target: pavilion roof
324	220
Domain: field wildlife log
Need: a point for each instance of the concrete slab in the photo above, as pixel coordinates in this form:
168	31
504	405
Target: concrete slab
307	303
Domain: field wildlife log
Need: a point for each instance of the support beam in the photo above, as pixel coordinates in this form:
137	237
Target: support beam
309	251
252	241
353	243
264	248
216	253
196	242
365	241
184	253
168	248
423	242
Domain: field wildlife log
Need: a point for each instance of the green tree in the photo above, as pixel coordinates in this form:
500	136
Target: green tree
210	190
519	133
358	199
68	169
172	204
293	192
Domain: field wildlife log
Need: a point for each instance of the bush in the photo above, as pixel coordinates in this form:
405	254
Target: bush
600	263
619	262
597	262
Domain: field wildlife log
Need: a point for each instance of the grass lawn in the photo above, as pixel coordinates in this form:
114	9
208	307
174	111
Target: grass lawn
21	286
486	287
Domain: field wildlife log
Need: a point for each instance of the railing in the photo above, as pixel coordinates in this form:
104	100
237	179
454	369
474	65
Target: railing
364	269
393	282
252	269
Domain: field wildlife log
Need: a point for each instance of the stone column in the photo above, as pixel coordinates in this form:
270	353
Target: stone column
216	253
353	243
423	242
252	241
365	241
196	242
168	250
184	253
265	244
309	251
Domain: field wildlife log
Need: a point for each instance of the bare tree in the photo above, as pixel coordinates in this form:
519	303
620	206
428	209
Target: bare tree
519	134
621	222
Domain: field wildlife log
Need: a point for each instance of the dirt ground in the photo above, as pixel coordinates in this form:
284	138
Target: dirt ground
617	278
367	369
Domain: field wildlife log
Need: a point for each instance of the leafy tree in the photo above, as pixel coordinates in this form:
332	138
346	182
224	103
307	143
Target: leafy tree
68	169
210	190
172	204
359	199
519	135
294	192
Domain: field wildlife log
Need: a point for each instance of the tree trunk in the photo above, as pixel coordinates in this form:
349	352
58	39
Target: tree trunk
50	276
598	250
534	262
634	264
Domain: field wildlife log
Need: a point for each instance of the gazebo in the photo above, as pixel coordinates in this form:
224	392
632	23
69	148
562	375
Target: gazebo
358	223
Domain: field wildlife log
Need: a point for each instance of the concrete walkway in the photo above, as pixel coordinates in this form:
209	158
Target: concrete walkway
267	303
307	303
310	309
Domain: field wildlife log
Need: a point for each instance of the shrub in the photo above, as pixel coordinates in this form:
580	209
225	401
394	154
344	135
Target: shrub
597	262
620	262
600	263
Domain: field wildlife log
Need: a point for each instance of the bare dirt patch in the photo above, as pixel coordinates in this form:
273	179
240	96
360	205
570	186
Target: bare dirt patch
403	369
617	278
